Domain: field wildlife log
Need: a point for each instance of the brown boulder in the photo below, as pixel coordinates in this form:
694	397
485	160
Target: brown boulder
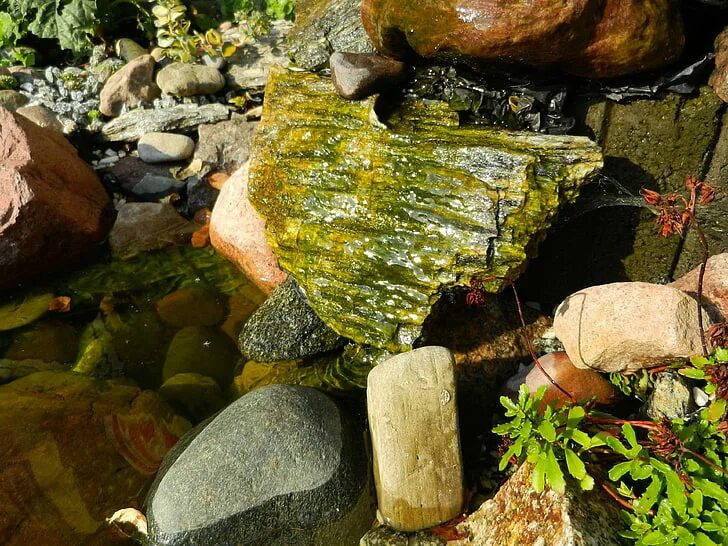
74	451
237	232
132	86
53	208
581	384
591	38
719	78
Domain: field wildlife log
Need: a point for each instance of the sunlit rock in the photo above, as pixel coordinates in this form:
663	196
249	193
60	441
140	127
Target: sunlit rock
375	217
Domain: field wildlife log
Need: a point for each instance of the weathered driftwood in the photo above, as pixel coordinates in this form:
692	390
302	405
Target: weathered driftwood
374	220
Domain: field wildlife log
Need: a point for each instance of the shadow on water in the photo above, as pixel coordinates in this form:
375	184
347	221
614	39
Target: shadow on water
593	237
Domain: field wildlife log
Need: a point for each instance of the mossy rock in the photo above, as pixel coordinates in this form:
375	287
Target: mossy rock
191	306
22	310
374	218
46	340
202	350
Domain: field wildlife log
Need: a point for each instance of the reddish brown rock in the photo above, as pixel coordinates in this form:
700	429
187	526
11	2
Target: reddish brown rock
581	384
238	232
628	326
715	286
53	209
358	75
74	450
132	86
592	38
719	78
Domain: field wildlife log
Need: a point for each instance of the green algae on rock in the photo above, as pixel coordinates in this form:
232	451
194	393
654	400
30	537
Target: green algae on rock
375	218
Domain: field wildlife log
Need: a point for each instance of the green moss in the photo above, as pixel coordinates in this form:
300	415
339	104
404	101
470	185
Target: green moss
374	222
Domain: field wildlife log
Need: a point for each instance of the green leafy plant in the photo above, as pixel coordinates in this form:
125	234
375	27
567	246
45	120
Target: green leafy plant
177	38
671	479
71	23
547	439
8	82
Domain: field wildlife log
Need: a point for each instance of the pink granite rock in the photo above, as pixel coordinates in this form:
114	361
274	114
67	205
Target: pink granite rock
628	326
238	232
53	209
715	286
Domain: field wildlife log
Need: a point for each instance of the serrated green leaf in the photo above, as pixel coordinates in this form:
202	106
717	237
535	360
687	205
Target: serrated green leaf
699	361
576	414
721	354
676	493
581	438
586	483
574	464
639	471
654	538
538	479
712	490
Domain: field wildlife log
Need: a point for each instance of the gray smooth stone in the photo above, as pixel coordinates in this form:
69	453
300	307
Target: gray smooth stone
283	465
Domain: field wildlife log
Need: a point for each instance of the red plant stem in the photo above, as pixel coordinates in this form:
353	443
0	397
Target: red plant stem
616	497
648	425
528	340
702	459
701	276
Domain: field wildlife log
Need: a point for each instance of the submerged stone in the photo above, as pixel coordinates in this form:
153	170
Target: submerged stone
373	221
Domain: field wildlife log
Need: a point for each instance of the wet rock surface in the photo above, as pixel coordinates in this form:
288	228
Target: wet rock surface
140	227
325	25
53	209
289	467
238	232
600	42
358	75
286	328
86	447
417	237
582	384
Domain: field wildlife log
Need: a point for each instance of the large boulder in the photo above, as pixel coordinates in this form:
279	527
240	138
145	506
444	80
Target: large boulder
74	451
628	326
374	221
715	286
53	209
282	465
585	37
